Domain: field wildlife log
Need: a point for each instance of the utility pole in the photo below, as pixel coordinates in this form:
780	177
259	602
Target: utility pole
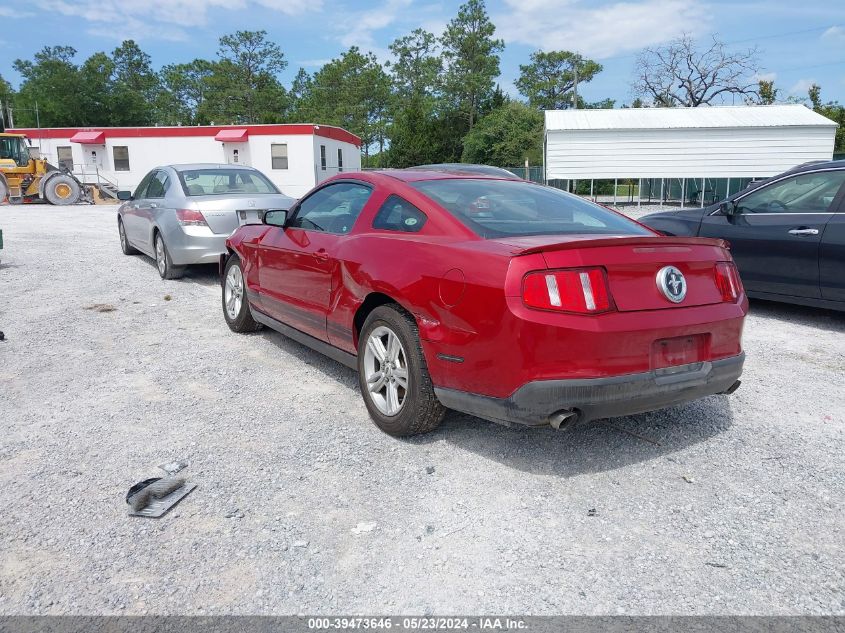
2	118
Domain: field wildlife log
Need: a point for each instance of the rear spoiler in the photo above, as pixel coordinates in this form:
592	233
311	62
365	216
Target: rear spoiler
658	241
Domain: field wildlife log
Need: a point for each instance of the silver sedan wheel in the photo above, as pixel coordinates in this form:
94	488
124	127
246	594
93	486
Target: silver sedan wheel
161	258
386	370
122	232
234	292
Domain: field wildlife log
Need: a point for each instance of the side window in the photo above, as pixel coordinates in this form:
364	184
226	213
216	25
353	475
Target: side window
120	154
279	155
158	185
397	214
333	208
339	159
141	190
65	154
804	193
323	157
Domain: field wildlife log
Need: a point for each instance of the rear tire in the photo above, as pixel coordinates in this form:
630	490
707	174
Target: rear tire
393	374
4	191
125	246
236	308
164	264
62	189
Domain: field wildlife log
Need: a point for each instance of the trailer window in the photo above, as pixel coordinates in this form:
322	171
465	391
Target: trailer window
121	157
279	155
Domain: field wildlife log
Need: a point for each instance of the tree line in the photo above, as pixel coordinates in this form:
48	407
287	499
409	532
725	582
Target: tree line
435	100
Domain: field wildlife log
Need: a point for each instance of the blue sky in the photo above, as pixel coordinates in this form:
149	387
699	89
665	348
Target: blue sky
799	42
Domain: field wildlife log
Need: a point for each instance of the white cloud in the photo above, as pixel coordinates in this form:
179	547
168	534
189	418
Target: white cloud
801	87
599	31
834	35
764	77
6	12
311	63
162	19
359	28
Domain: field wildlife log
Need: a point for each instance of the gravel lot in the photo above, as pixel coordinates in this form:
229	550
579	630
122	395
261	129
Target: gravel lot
731	505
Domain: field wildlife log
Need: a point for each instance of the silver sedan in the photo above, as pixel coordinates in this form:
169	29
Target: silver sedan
182	214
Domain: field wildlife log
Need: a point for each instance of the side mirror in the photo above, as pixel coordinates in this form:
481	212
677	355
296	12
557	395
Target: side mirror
728	208
124	195
276	217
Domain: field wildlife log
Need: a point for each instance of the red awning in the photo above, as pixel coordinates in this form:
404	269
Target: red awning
232	136
89	138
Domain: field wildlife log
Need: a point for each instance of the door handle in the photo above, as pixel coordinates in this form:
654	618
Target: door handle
321	255
804	232
153	205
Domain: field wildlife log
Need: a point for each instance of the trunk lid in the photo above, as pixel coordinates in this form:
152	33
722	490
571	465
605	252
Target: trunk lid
221	212
633	265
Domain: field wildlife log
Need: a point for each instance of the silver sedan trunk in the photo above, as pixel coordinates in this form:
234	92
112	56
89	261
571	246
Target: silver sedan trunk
182	214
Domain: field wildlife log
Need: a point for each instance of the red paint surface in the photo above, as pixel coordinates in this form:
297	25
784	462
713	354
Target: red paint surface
316	282
335	133
232	136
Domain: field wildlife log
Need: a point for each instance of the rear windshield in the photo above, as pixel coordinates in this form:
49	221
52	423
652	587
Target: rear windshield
220	181
509	208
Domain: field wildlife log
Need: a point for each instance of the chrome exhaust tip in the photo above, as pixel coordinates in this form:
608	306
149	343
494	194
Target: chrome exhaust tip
562	420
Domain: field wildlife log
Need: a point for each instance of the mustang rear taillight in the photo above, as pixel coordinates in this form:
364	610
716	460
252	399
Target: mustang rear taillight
727	281
579	290
190	217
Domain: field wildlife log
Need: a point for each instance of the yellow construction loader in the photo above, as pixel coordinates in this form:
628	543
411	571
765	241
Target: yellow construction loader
26	179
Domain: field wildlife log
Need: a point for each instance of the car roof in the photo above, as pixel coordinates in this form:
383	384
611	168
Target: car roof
412	174
192	166
467	168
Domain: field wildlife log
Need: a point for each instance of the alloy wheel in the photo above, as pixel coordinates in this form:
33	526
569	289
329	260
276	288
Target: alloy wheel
386	370
161	258
234	292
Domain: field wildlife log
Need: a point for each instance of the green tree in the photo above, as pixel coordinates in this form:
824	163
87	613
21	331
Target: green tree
136	86
244	85
6	97
97	85
833	111
471	57
415	72
184	89
353	92
52	82
506	137
767	92
548	80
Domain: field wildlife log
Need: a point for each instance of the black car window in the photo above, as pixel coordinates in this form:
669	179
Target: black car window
141	190
332	209
509	208
158	185
397	214
803	193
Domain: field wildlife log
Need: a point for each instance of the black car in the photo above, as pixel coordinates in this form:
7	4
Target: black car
787	234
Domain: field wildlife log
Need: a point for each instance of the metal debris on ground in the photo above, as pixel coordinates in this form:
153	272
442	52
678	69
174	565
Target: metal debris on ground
591	512
101	307
153	497
688	479
171	468
429	470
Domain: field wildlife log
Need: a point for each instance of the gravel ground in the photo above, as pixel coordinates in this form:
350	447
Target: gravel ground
730	505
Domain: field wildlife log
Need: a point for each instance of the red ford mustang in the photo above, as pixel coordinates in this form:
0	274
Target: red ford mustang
507	300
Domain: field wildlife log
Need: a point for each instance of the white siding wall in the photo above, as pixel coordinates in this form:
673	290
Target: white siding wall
684	153
147	153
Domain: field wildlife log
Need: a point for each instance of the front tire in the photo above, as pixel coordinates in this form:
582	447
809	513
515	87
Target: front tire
62	189
236	308
393	374
125	246
164	264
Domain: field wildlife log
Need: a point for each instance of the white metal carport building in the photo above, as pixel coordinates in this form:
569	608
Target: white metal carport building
708	152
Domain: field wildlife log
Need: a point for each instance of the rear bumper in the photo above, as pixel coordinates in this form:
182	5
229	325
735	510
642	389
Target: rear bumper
536	402
194	246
